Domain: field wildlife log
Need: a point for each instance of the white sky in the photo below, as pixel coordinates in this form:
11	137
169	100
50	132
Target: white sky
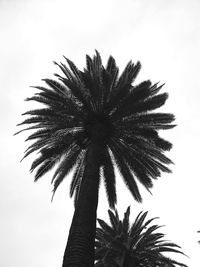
165	37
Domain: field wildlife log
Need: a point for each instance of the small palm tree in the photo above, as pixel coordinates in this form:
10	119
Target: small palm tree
94	119
122	245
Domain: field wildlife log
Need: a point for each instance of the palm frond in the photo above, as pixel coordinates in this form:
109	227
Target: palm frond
114	219
124	83
109	178
126	173
125	223
65	166
106	228
78	174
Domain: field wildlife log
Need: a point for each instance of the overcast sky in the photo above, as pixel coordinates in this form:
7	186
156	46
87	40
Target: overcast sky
165	37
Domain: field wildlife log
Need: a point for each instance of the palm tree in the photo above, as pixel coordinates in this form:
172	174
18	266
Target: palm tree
94	119
122	245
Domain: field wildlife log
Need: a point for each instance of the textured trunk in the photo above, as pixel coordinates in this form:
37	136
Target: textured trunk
79	251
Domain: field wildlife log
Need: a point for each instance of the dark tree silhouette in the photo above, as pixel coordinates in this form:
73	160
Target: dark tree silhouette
138	245
94	119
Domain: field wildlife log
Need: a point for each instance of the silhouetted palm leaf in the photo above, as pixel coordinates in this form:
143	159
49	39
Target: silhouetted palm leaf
137	245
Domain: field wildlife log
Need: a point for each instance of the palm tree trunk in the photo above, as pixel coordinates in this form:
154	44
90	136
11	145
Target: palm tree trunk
79	251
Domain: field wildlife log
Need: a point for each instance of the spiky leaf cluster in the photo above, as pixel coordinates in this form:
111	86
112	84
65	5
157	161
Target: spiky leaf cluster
140	244
97	106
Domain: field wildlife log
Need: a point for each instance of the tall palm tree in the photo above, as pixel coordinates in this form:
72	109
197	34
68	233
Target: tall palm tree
94	119
123	245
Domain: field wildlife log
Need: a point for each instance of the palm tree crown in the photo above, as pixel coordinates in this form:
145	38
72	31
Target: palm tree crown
97	106
139	244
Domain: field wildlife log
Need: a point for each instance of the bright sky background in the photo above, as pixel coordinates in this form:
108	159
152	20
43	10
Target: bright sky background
165	37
